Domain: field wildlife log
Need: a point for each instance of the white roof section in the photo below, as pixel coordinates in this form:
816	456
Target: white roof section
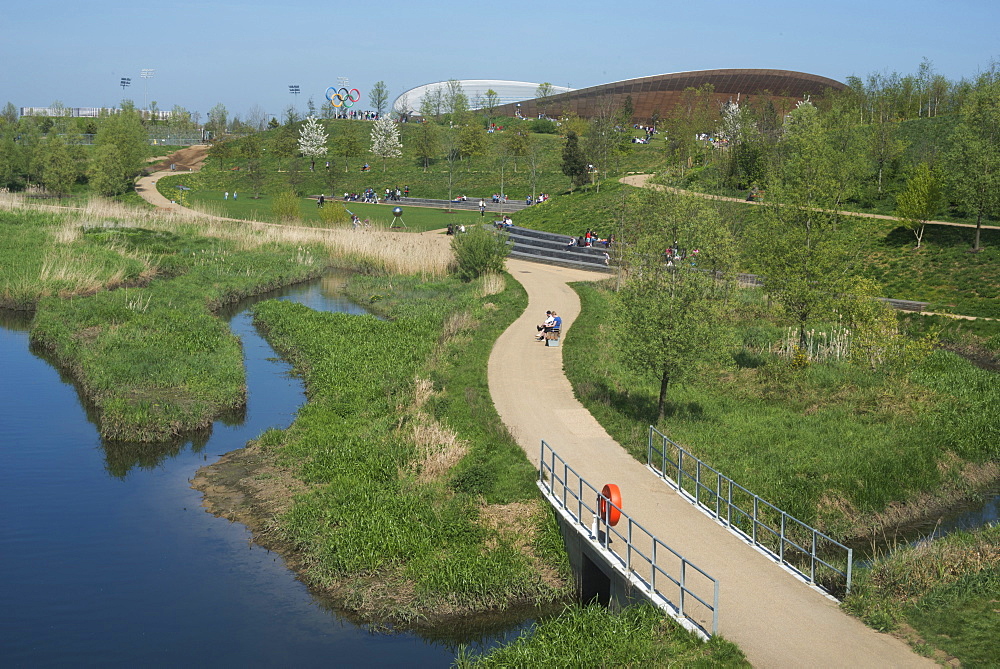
508	91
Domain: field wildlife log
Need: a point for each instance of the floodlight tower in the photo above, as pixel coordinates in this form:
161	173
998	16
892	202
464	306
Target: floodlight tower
146	75
126	81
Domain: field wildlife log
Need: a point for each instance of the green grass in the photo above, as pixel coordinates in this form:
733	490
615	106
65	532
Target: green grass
947	590
942	272
592	636
152	357
373	510
476	176
830	444
417	219
33	263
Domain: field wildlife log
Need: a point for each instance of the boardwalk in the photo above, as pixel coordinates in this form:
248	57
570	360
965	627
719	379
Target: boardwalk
777	620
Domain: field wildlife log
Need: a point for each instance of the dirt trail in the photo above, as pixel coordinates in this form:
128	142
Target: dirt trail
776	619
186	160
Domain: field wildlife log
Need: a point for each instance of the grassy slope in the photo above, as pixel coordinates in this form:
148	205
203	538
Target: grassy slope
478	176
828	440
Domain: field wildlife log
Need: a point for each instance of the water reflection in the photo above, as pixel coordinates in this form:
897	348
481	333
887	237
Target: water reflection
107	557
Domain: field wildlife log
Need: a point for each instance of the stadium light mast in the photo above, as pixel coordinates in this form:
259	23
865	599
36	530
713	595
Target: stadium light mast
146	75
126	81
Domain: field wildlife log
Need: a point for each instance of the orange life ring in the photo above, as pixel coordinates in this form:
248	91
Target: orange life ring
610	513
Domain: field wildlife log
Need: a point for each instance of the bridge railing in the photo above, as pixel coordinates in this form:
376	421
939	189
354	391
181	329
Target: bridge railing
821	560
669	580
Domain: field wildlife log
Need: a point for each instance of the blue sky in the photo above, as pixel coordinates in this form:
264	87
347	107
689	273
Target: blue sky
245	54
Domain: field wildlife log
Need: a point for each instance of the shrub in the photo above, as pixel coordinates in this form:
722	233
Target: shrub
544	126
285	206
478	252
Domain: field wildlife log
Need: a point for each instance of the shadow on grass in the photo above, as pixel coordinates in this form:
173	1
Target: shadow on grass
641	407
941	236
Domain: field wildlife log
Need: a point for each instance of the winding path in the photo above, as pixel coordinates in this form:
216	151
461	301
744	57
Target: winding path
777	620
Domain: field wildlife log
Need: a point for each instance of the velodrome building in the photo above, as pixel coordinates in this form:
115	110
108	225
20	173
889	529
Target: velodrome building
657	94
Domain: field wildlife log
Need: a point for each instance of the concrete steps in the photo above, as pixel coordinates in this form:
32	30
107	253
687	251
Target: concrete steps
551	248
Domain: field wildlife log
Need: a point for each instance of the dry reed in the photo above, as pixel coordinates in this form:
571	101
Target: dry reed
428	255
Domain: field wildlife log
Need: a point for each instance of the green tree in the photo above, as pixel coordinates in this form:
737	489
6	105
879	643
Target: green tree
9	114
516	141
58	167
472	142
379	97
574	165
667	318
252	152
490	103
542	95
452	154
456	102
349	141
218	120
974	160
920	201
695	113
13	159
427	142
285	143
804	252
120	152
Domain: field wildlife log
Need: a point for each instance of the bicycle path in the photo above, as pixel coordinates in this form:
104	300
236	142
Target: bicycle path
776	619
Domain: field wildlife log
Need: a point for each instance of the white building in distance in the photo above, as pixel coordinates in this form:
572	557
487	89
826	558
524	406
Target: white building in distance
508	92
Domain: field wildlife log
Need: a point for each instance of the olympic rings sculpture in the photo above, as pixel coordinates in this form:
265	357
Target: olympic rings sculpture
343	97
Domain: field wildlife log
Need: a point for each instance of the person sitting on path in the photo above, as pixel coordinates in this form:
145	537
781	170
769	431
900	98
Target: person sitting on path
553	331
544	327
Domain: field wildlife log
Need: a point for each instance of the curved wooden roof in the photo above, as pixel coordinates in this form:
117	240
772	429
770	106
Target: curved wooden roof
662	92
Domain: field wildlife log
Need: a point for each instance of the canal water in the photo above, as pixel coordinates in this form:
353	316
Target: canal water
107	557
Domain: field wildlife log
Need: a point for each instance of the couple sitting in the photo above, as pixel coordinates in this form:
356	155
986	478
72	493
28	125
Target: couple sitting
550	328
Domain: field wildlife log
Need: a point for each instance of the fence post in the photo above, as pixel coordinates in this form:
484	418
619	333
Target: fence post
729	503
680	469
812	562
683	584
715	610
718	492
781	546
754	525
697	483
850	563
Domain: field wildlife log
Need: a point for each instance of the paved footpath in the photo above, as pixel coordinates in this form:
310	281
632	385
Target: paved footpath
777	620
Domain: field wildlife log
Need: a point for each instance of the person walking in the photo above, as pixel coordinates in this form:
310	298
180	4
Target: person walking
225	196
482	207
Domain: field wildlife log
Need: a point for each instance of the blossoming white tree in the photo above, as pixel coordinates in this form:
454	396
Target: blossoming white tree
385	139
312	141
